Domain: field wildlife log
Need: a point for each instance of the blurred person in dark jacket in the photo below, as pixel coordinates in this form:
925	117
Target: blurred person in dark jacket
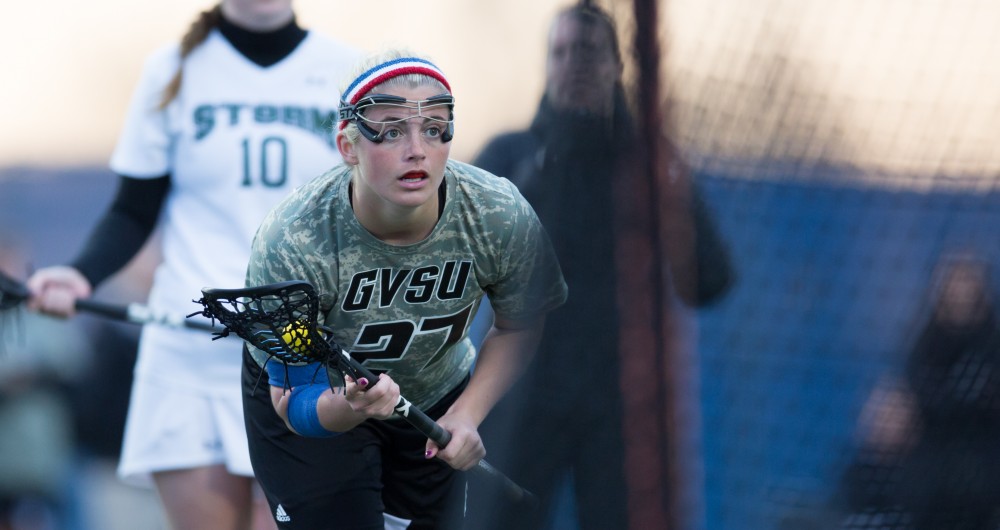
930	457
563	419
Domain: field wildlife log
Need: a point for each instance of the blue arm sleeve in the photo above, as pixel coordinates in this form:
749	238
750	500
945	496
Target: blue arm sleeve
302	413
308	382
281	375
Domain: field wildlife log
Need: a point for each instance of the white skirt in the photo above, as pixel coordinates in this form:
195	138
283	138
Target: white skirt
170	427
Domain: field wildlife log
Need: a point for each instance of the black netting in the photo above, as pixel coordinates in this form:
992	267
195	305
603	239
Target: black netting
847	151
279	319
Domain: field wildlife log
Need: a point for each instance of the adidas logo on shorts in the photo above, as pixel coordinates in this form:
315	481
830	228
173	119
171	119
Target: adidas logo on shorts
280	515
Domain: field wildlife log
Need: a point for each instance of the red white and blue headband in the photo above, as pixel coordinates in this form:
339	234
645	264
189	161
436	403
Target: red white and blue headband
383	72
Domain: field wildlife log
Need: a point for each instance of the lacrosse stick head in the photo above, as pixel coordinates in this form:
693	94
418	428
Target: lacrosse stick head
280	319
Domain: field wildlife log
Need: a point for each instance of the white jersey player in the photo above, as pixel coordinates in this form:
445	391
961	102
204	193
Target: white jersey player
220	128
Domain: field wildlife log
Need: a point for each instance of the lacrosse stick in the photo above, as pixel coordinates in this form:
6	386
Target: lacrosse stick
281	320
13	293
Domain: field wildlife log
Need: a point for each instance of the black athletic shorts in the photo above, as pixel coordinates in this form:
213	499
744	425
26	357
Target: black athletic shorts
351	480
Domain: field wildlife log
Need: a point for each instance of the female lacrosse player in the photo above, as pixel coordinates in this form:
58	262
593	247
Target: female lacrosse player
403	243
220	128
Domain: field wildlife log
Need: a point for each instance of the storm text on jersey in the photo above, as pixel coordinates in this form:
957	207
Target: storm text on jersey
317	121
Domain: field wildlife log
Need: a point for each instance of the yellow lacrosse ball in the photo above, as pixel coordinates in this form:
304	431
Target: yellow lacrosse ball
296	337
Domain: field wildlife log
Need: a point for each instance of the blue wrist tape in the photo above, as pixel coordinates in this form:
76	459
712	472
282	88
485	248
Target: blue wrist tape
302	413
282	376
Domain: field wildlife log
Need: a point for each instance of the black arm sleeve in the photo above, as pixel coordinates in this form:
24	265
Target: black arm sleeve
124	228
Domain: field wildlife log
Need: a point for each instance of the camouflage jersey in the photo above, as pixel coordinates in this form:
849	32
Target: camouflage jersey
406	309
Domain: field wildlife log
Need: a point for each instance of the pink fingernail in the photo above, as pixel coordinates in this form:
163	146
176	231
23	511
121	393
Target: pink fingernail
363	381
427	454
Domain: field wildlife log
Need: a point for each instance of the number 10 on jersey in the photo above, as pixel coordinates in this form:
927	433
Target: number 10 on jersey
265	163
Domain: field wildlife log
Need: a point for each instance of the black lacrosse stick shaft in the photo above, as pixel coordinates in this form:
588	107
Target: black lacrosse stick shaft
139	314
13	293
429	428
403	408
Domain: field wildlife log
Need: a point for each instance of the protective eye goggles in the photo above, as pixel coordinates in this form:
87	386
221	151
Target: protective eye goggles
373	113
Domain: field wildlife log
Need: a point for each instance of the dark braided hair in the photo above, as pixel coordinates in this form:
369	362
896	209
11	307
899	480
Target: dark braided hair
196	34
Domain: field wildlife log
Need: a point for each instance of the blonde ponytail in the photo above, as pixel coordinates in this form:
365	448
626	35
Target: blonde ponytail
196	34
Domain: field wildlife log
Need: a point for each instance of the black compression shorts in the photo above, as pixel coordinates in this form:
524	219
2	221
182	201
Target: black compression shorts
351	480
